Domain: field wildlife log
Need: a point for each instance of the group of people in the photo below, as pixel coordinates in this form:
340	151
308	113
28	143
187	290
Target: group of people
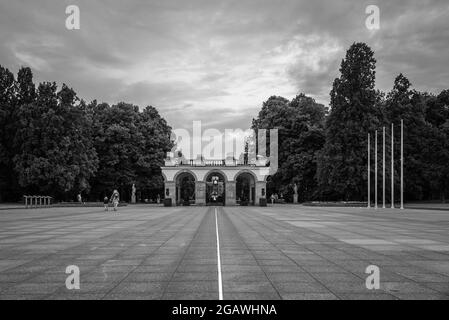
115	198
274	197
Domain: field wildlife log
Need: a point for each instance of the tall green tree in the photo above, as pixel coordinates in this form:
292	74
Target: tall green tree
7	104
422	139
55	154
154	146
300	128
440	121
131	146
342	170
426	146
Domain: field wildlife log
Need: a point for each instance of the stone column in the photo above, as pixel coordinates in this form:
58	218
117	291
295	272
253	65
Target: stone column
171	186
230	193
250	193
259	186
200	193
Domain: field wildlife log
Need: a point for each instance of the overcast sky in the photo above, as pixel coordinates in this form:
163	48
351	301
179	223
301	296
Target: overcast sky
217	61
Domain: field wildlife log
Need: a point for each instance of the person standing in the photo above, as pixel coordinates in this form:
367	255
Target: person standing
106	203
115	198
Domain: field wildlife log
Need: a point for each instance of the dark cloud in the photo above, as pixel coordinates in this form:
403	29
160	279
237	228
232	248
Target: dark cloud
217	61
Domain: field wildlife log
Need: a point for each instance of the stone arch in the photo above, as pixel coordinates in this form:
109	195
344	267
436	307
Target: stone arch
208	173
245	187
216	193
185	187
180	172
267	176
245	171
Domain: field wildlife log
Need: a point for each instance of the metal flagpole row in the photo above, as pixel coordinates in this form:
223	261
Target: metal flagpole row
383	168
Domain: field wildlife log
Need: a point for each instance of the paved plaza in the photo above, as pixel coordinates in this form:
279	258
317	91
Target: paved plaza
281	252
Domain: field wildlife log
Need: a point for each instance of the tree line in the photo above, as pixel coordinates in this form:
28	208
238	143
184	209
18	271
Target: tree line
325	151
54	143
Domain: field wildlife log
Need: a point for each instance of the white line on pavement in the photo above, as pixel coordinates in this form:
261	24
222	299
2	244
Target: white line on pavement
220	284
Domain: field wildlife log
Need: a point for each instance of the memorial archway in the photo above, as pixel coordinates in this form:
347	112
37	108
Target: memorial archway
215	188
185	188
245	188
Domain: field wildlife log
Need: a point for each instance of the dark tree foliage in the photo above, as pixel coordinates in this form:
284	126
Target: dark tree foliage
300	123
440	156
52	143
426	148
7	119
131	147
55	154
342	171
357	109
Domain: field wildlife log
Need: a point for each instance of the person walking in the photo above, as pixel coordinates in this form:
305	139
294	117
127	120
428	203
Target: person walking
106	203
115	198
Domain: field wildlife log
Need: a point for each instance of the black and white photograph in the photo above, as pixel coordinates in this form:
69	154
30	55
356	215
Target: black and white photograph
219	156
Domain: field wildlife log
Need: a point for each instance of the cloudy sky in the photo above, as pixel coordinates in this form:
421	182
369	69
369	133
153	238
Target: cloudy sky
217	61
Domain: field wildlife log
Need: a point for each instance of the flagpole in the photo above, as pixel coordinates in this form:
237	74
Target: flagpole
392	166
383	170
369	175
402	164
375	172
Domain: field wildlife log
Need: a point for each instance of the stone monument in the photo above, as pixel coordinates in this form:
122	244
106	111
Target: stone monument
295	195
133	194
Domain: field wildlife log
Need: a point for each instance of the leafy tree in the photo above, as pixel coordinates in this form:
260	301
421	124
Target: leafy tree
342	171
420	138
155	144
442	154
300	124
7	103
26	90
55	154
53	143
437	109
435	149
131	146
